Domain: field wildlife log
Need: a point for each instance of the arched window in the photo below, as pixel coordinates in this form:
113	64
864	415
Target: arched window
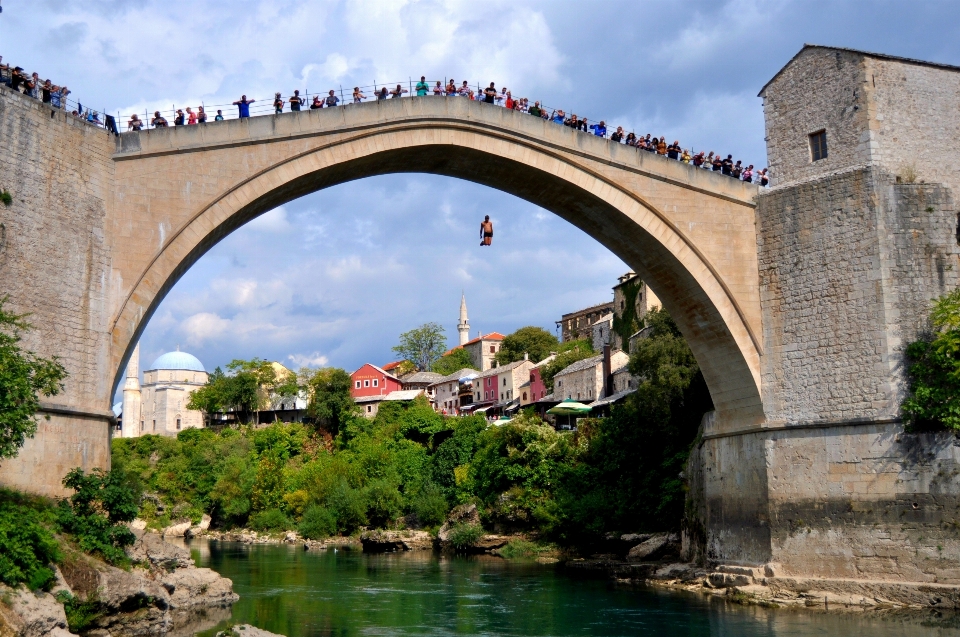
178	422
524	395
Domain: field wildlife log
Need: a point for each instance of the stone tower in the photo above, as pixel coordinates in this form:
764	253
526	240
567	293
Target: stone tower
132	397
464	325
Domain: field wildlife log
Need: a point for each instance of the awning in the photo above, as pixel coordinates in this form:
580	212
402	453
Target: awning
569	408
609	400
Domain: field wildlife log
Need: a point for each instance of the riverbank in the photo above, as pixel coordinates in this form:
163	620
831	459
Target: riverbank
762	587
163	592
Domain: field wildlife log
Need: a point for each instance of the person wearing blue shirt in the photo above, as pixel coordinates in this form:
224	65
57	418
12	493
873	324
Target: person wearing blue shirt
600	130
244	106
558	117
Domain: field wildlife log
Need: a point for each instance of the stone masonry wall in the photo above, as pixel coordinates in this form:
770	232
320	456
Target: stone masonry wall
53	265
821	89
915	121
848	266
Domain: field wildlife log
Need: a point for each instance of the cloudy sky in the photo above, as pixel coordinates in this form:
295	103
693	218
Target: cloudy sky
333	278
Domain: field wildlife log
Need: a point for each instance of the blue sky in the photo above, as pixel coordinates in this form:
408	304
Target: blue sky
333	278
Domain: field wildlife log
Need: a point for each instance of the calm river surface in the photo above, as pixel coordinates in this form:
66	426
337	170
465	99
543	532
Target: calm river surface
286	590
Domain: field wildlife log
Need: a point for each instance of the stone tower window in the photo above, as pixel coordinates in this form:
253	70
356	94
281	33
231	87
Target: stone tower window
818	145
178	423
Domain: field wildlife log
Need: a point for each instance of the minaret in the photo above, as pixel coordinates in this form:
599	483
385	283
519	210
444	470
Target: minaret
131	396
464	325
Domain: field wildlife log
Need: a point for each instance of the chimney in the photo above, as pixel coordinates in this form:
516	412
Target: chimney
526	356
607	372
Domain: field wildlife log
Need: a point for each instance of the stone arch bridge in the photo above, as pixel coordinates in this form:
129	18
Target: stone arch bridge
792	300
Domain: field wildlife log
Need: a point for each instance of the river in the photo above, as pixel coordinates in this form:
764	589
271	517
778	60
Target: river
287	590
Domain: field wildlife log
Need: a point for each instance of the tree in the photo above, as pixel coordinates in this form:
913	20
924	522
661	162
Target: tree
330	400
255	383
453	362
423	345
570	352
533	341
209	399
24	377
934	371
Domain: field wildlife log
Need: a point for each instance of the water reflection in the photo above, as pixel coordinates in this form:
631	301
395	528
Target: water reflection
344	593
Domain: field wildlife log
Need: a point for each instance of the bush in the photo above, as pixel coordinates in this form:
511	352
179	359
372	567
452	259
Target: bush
934	371
81	613
520	549
348	507
95	513
270	520
317	523
430	505
384	502
465	535
27	547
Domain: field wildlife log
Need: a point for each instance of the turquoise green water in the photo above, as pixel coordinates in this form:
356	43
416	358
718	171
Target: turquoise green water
286	590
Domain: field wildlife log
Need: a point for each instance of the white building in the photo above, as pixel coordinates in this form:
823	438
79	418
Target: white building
162	400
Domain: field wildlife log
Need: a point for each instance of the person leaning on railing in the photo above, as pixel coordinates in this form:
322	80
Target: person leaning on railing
135	123
158	120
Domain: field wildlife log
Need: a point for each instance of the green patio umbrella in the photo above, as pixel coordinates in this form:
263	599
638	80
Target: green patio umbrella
569	408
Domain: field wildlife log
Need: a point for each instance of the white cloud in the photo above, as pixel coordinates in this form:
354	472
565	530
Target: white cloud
205	326
308	360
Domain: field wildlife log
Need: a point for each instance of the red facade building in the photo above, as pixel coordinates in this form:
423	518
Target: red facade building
371	380
538	389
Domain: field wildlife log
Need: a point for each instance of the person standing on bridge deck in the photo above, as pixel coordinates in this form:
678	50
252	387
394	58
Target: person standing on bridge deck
397	92
201	115
422	87
763	178
600	130
158	121
191	117
296	101
244	106
219	117
135	123
726	166
277	104
737	170
748	174
358	95
490	94
717	163
673	150
486	231
451	88
617	135
332	100
178	118
316	103
535	110
465	90
438	89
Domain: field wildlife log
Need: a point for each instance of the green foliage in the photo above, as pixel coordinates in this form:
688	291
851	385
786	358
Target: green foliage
6	197
96	512
317	523
81	613
28	548
641	448
330	401
619	473
570	352
24	377
626	322
453	362
430	506
422	345
521	549
270	520
934	370
536	342
463	536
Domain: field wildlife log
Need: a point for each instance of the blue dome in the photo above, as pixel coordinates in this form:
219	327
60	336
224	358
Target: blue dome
178	360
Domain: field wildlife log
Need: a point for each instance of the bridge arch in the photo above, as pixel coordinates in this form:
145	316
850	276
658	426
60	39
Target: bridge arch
658	216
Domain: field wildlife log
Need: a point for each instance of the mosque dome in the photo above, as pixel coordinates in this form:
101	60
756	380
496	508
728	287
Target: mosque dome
179	361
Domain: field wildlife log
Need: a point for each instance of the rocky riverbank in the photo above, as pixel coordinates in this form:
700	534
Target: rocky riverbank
654	561
163	593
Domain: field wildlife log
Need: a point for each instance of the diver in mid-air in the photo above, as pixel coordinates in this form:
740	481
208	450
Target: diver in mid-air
486	231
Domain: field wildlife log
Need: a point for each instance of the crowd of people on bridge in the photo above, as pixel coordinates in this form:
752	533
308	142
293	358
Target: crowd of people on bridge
503	97
56	96
47	92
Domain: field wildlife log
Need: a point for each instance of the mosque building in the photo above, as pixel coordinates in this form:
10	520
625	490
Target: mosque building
160	406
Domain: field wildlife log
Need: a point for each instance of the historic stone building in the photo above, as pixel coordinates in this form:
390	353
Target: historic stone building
632	299
160	406
579	324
